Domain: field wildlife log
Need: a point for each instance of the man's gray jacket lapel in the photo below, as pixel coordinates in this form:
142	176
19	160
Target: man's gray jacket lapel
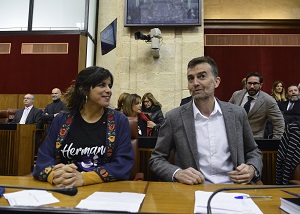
187	115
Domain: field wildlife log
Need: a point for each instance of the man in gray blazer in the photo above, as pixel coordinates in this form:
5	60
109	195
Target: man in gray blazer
263	107
211	140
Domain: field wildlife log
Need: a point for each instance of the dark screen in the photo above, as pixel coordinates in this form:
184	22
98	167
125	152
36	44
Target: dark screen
108	37
163	13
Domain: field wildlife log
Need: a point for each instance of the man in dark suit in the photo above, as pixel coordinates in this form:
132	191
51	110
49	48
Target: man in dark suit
212	140
54	108
29	114
291	107
259	106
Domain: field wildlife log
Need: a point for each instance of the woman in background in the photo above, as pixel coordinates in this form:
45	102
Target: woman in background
133	108
152	106
278	91
91	143
121	101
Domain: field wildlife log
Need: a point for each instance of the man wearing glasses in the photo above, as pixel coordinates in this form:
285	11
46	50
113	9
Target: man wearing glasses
259	106
29	114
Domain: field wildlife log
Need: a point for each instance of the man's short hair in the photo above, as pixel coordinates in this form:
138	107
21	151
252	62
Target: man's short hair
255	74
203	59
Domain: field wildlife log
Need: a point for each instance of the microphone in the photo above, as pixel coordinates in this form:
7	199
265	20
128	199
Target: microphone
64	190
246	188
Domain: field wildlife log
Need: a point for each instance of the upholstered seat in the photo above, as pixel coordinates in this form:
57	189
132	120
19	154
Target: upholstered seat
11	113
3	116
135	174
296	176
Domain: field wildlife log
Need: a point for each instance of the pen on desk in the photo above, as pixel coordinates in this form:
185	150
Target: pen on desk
245	196
2	190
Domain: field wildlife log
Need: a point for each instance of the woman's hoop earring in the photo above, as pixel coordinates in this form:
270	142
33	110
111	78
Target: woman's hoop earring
86	98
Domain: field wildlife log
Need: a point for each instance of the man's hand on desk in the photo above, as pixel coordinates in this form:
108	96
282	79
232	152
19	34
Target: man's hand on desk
189	176
66	175
242	175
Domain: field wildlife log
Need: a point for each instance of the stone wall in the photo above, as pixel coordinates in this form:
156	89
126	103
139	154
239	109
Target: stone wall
134	68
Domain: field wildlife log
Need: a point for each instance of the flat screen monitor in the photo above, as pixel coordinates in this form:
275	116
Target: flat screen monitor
162	13
108	37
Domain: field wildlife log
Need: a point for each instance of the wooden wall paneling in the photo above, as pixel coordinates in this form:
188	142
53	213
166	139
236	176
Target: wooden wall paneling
82	52
252	24
272	40
26	139
44	48
40	100
5	48
8	101
269	167
7	148
16	148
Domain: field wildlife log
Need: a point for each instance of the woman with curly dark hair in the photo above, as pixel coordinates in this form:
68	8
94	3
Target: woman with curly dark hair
90	143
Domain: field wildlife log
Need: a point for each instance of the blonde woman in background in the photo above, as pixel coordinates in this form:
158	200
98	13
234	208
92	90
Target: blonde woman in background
152	106
278	91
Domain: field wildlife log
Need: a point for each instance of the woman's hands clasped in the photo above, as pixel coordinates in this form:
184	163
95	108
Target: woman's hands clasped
66	175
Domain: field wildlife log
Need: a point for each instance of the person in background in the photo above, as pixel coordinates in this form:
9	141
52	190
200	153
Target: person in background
288	155
133	108
259	106
91	143
29	114
54	108
185	100
244	83
152	106
291	107
121	101
212	140
278	91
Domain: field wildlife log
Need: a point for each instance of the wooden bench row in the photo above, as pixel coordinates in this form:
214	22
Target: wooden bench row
15	101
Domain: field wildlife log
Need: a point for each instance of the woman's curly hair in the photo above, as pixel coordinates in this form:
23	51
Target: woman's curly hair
86	80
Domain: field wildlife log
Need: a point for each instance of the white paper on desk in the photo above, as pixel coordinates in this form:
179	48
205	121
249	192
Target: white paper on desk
225	203
30	198
113	201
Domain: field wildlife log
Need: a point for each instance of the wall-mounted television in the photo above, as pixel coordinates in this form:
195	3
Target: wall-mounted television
108	37
162	13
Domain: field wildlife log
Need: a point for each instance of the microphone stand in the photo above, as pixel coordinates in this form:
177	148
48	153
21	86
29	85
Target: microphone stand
64	190
246	188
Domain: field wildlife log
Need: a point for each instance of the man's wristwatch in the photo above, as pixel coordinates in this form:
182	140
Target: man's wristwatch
256	173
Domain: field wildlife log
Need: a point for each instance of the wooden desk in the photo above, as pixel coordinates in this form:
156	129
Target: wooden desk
269	148
16	148
71	201
163	197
